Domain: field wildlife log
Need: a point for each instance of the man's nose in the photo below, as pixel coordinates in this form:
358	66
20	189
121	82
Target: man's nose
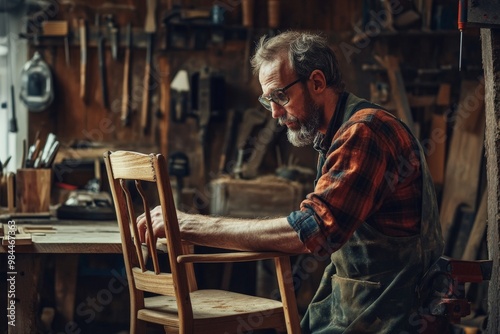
276	110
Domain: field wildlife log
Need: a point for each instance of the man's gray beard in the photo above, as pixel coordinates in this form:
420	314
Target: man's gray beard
308	131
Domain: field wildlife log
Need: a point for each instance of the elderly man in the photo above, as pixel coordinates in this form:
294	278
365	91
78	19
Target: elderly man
373	209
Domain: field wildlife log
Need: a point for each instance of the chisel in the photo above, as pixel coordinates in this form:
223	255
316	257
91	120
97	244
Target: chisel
13	119
150	28
113	36
102	71
102	63
125	115
83	57
462	20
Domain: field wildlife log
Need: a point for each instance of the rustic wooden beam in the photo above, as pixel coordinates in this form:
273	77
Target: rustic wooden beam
490	40
164	103
465	151
391	64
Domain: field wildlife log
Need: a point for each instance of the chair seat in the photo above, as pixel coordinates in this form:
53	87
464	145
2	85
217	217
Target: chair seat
212	307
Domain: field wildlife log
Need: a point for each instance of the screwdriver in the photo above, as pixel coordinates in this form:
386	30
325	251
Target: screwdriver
462	19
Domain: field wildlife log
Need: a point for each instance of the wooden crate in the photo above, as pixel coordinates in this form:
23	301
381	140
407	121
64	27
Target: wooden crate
267	196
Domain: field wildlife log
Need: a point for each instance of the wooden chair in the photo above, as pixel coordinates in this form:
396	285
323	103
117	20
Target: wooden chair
177	304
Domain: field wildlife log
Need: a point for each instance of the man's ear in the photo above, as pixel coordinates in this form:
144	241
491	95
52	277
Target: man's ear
318	80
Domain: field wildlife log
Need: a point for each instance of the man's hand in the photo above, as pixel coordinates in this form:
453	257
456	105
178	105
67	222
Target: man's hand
157	222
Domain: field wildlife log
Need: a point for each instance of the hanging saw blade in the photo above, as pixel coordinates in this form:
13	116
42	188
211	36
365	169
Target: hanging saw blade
150	28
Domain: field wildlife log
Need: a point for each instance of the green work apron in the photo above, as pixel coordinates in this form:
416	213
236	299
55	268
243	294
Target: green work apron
370	286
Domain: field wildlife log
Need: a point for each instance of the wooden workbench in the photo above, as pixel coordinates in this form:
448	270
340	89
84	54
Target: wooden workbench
71	236
67	240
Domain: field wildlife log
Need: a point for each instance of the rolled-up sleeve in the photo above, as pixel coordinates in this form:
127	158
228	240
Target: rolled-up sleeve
304	224
309	232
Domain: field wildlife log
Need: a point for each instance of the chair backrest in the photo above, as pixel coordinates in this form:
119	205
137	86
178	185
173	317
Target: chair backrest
122	168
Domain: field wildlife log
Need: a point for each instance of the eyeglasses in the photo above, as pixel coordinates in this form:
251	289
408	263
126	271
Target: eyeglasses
277	96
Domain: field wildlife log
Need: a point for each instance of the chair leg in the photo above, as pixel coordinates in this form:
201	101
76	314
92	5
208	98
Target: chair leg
284	273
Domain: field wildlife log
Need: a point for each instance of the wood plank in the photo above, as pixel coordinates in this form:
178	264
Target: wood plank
420	101
19	236
164	104
66	275
465	155
403	110
477	234
32	229
27	275
444	94
490	40
158	283
436	149
10	192
21	240
85	237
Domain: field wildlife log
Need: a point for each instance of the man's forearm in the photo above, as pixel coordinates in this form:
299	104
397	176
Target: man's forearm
241	234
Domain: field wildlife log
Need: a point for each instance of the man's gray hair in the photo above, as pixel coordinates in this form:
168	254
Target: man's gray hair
306	52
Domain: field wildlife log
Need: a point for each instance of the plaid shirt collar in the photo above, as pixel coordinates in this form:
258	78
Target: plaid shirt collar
322	142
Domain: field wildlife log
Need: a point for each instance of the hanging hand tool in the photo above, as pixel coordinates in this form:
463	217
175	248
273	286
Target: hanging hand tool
462	19
479	14
179	92
264	137
13	119
273	11
102	62
113	35
251	118
66	49
55	29
149	28
125	116
203	108
82	24
178	166
229	135
204	104
6	162
248	13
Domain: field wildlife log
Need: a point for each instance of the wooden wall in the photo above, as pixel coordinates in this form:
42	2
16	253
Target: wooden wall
75	120
79	122
72	119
